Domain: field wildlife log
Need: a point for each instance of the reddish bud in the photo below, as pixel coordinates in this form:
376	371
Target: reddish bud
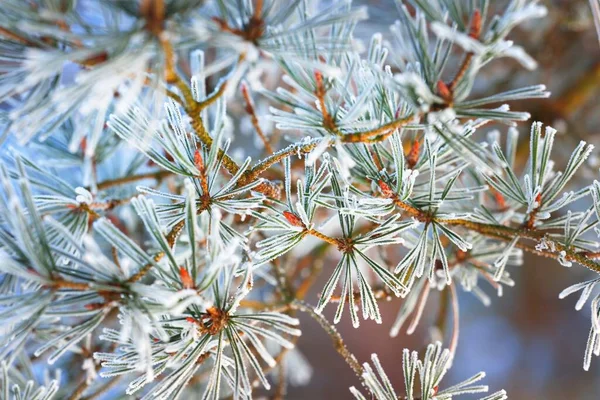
319	80
475	29
198	161
83	145
413	154
186	279
443	90
386	190
95	59
246	94
168	156
293	219
500	199
117	222
461	255
244	88
538	200
222	24
94	306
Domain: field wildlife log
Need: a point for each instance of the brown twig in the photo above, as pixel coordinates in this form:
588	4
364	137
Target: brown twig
320	92
455	320
16	37
335	336
378	134
280	389
158	175
323	237
106	387
501	232
255	123
474	32
530	222
252	30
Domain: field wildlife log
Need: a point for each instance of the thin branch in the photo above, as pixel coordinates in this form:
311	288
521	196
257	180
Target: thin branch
193	109
106	387
212	98
442	314
171	237
501	232
65	284
85	383
265	164
81	388
334	241
281	389
255	123
335	336
157	175
507	234
16	37
328	122
379	133
474	32
455	320
315	261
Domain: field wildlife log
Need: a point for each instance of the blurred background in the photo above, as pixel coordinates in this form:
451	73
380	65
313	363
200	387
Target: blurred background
528	341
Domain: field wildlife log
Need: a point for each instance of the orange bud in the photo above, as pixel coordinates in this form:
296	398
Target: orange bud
94	306
186	279
319	78
168	156
444	90
461	255
95	59
500	199
475	29
244	88
413	154
219	21
538	200
320	88
293	219
198	161
386	190
83	145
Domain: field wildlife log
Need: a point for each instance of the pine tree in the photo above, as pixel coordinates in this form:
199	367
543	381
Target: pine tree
175	172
